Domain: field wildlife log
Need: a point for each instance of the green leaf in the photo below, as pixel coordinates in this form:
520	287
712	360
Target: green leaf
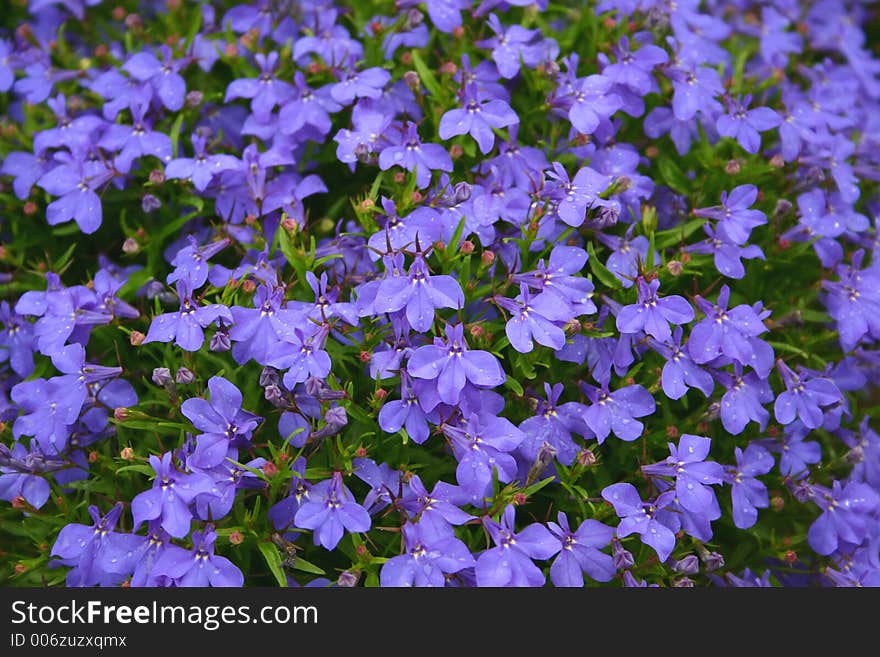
601	271
514	385
306	567
138	467
672	175
175	133
426	76
273	560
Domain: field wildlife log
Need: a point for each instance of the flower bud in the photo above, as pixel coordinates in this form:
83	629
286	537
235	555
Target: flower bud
462	192
586	458
621	558
467	247
236	537
184	376
412	80
136	338
689	565
130	246
157	176
127	454
683	583
270	469
220	341
348	579
120	414
161	376
674	267
456	151
275	396
30	208
732	168
487	257
194	98
248	286
93	457
269	376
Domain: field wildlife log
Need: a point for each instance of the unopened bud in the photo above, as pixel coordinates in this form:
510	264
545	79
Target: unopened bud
520	498
683	583
732	167
586	458
93	456
412	80
248	286
130	246
361	452
290	225
120	414
777	161
672	431
458	31
674	267
20	567
118	13
275	396
456	151
231	50
462	192
476	331
689	565
161	376
417	196
220	341
790	556
365	356
652	152
134	22
236	537
448	68
467	247
777	503
127	454
157	176
621	558
269	376
270	469
18	502
348	579
406	58
487	257
136	338
184	376
30	208
194	98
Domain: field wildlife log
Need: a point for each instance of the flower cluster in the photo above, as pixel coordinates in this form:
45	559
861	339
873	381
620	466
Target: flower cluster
443	293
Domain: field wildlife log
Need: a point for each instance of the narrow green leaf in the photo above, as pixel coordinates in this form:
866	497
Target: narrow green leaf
601	271
273	560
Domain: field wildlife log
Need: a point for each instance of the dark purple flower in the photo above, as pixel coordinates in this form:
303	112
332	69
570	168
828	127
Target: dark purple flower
265	91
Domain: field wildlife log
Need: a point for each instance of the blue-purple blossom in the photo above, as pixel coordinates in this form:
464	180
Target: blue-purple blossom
200	566
653	314
692	472
186	326
747	492
430	554
330	510
452	364
169	498
510	562
477	118
581	553
650	520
